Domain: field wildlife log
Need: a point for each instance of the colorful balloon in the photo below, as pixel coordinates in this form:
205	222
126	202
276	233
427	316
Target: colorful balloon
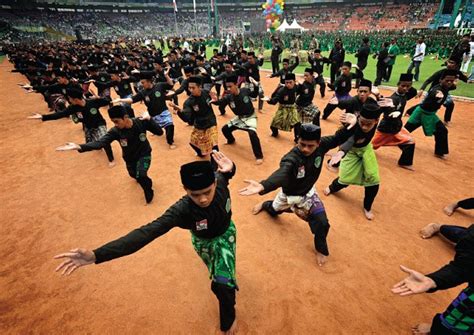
273	11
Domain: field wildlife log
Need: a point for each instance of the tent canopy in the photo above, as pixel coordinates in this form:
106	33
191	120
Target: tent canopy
293	27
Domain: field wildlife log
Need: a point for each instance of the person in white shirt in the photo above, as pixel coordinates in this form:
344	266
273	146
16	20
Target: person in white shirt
468	56
417	58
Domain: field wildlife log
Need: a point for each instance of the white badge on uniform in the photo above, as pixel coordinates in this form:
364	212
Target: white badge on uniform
201	225
301	172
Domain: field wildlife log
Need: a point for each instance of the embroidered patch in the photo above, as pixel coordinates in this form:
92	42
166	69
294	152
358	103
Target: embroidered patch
123	142
79	115
196	108
306	91
157	94
142	137
125	86
285	98
232	105
301	172
246	100
317	162
201	225
93	111
228	205
147	99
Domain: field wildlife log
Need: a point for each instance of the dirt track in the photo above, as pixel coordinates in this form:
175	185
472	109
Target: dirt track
52	202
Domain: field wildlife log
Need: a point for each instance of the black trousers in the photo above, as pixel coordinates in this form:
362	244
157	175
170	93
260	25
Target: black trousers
275	65
381	73
448	113
388	72
218	90
466	203
453	233
328	110
318	224
322	85
139	171
369	197
408	151
226	297
199	152
169	134
254	140
334	72
296	131
440	135
361	67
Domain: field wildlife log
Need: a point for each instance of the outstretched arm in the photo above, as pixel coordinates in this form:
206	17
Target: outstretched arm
415	283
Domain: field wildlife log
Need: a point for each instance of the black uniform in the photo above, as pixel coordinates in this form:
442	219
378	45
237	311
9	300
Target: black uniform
136	150
317	64
297	175
187	215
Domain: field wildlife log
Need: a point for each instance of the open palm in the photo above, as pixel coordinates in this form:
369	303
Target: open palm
415	283
75	258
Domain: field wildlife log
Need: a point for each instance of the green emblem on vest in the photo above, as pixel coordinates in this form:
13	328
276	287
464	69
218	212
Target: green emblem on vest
317	162
93	111
142	137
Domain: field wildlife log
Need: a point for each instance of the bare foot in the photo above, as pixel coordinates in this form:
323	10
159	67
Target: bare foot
112	164
369	215
259	161
429	230
449	210
172	146
421	329
232	330
257	208
443	157
327	191
321	259
447	123
407	167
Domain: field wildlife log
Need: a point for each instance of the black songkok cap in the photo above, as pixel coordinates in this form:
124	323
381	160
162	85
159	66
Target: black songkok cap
370	111
146	75
317	51
366	83
231	79
74	93
290	76
406	77
286	60
348	64
251	53
309	70
197	175
117	112
310	132
195	79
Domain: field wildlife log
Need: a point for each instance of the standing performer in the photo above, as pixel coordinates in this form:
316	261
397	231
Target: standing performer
240	101
206	212
359	165
136	150
420	52
197	110
390	131
317	64
336	56
299	170
284	72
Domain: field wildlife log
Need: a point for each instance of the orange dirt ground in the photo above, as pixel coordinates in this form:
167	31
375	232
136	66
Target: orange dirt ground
52	202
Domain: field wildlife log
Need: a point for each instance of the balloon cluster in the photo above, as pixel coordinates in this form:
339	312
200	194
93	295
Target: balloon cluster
273	10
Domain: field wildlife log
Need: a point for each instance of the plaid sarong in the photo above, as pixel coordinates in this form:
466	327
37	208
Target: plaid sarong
163	119
459	316
204	139
286	117
302	206
244	122
94	134
218	254
307	113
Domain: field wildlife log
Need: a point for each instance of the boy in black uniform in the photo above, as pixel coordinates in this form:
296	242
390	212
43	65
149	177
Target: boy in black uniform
206	211
240	101
309	113
390	131
425	114
299	170
252	76
154	96
317	63
85	111
284	72
136	150
343	86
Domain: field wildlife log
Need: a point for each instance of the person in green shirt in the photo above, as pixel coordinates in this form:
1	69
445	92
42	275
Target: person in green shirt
393	51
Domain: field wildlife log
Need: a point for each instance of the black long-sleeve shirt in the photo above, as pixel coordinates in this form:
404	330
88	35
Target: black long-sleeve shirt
435	78
89	115
199	110
123	86
132	140
283	96
208	222
282	73
317	64
298	173
362	55
337	56
431	102
305	92
391	125
154	98
343	84
359	139
240	104
57	88
354	104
